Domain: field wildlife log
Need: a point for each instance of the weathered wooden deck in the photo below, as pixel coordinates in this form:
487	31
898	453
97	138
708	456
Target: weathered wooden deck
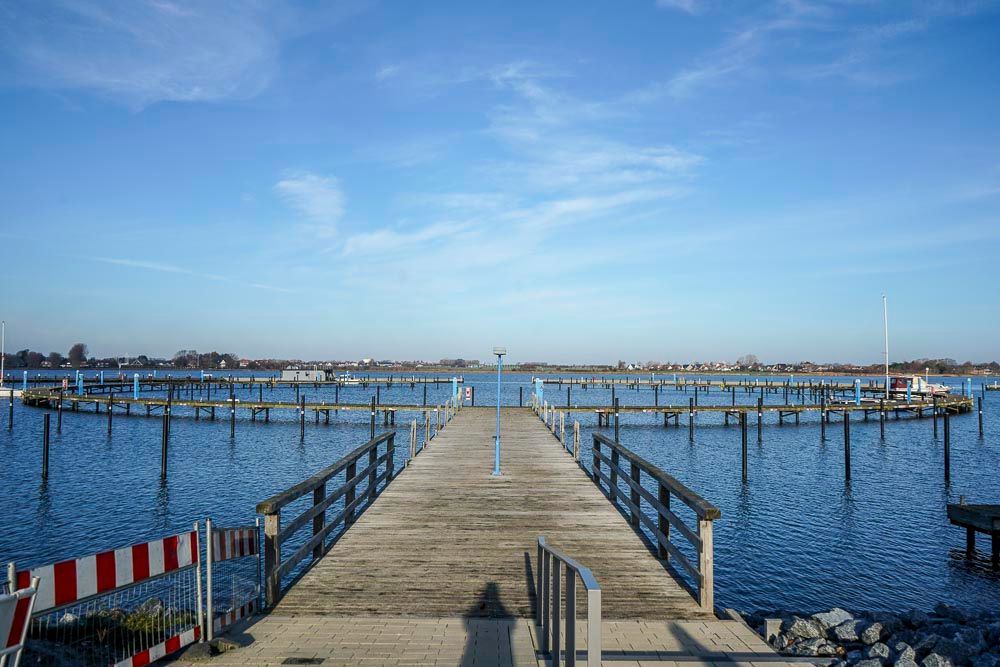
447	539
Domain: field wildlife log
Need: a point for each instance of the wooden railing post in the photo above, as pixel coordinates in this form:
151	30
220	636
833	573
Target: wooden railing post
597	462
427	428
373	473
614	476
390	457
576	440
272	557
562	428
706	562
663	522
319	495
352	491
634	510
413	439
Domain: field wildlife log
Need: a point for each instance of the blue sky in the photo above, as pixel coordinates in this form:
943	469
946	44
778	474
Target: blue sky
672	180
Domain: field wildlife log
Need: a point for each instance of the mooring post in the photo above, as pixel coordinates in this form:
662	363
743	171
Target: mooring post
413	440
520	397
425	395
980	401
656	395
743	436
881	417
232	413
302	418
690	419
472	395
111	406
616	420
164	436
45	446
10	414
847	445
567	395
947	446
934	413
371	428
822	417
760	420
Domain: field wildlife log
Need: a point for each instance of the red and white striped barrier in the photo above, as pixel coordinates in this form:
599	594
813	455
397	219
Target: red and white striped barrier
175	643
15	612
230	617
233	543
77	579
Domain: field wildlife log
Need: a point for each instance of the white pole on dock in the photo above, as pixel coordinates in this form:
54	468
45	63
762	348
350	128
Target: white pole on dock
3	341
499	351
885	324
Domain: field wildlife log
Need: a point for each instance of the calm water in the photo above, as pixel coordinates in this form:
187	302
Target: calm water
795	536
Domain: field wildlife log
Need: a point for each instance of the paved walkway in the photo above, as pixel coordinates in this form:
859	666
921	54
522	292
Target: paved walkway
333	641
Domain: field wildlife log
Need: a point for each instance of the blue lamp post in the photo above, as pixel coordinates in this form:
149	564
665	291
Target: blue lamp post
499	351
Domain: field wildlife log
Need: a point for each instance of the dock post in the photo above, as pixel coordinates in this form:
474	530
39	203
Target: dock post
760	420
302	418
272	553
10	414
881	417
568	387
847	445
372	423
472	396
934	414
656	395
111	406
634	495
947	446
690	419
743	435
424	404
164	437
822	417
45	446
616	420
980	400
427	427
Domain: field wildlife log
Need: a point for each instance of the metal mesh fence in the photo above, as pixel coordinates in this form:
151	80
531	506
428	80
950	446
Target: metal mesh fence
110	628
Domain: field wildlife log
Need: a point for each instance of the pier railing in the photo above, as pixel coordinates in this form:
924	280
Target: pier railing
550	565
377	468
609	471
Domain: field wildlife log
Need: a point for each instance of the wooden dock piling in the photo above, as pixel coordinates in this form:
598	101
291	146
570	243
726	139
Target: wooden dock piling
947	446
45	446
847	446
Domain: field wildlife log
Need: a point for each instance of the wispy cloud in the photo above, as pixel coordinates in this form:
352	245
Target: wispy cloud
144	52
165	267
317	198
689	6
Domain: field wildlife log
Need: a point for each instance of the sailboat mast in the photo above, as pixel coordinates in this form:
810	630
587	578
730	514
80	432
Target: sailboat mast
885	325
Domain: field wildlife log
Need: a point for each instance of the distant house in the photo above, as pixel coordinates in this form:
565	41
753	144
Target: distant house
244	363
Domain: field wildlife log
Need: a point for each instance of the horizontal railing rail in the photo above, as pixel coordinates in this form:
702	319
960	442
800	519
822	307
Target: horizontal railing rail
667	487
549	607
276	567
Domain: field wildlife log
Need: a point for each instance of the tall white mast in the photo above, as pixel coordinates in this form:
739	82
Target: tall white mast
885	323
3	341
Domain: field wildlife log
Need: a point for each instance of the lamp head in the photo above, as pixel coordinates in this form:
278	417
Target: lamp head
499	351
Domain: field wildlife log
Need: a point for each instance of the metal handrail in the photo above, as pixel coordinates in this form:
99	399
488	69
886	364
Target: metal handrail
548	605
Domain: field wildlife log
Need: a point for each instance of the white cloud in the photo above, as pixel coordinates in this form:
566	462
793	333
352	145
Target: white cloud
142	52
164	267
316	198
689	6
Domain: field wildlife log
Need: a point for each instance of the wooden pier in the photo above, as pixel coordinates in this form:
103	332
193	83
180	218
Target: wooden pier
978	519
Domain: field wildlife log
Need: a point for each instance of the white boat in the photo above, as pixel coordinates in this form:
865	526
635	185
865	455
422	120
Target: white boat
918	385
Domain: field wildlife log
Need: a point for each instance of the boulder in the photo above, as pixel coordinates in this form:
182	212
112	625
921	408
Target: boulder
955	649
829	619
985	660
875	632
868	662
916	618
878	651
904	652
848	631
936	660
813	647
802	628
926	645
905	663
947	611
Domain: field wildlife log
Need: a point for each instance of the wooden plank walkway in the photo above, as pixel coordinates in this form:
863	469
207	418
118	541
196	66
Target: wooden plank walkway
447	539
